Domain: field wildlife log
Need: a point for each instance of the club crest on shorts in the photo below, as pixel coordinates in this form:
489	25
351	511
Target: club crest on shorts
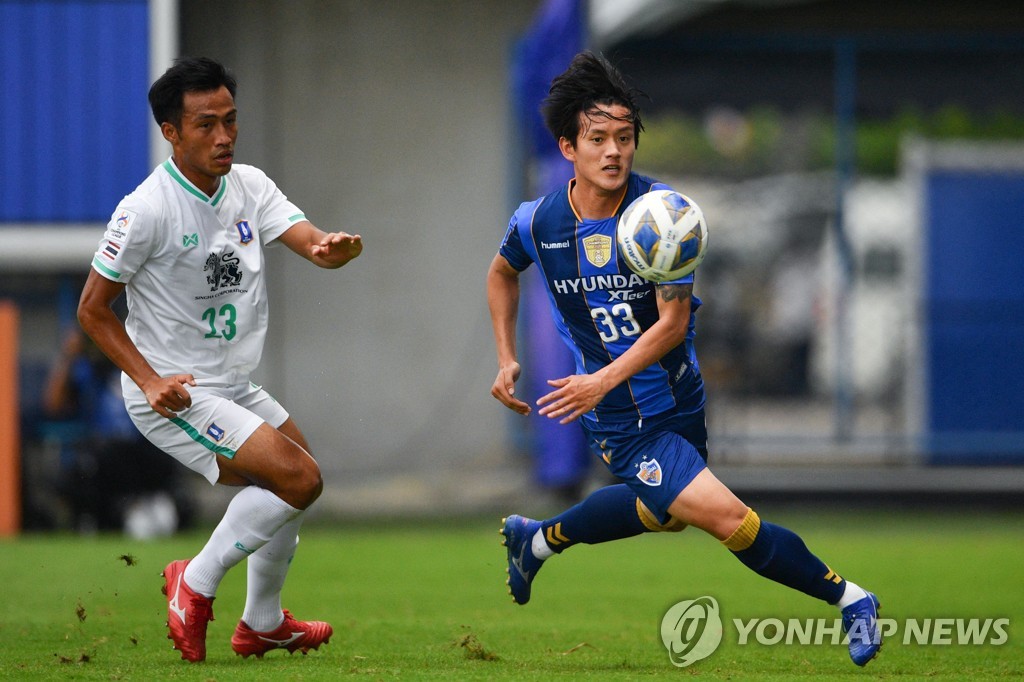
650	472
215	432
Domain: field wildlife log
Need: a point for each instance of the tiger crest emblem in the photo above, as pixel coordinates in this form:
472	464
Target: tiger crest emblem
224	271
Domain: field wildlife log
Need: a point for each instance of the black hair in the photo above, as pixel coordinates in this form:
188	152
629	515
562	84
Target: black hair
589	81
189	74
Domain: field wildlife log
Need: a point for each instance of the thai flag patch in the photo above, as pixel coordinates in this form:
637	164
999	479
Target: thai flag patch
110	250
244	231
215	432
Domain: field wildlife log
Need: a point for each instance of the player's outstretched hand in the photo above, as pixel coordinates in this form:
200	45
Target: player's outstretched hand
337	248
504	389
574	396
168	395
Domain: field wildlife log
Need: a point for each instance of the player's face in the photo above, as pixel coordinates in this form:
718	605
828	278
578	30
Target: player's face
604	150
204	146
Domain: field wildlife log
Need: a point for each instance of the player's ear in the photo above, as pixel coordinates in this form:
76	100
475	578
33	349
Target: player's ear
169	132
568	149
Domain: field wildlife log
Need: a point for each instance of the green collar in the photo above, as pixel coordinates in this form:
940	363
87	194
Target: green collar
172	170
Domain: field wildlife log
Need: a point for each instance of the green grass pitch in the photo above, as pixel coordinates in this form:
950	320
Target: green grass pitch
429	602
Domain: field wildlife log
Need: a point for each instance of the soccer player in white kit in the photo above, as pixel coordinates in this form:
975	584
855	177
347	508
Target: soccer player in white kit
187	249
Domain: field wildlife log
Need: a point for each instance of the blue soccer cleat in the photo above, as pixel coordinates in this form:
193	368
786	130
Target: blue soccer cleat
860	622
518	533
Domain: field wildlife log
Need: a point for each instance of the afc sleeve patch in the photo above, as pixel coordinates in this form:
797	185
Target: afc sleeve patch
120	223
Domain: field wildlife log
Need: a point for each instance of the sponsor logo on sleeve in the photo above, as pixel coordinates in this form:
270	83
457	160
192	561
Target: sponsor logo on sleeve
121	223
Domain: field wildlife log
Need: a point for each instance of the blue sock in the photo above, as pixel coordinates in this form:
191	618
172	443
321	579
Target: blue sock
779	554
610	513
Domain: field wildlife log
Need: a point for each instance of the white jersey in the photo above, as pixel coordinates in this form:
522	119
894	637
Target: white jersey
194	269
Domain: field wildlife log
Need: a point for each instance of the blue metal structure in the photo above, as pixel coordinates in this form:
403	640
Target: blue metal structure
74	120
974	315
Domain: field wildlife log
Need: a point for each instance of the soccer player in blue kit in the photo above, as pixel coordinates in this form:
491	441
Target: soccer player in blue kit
637	390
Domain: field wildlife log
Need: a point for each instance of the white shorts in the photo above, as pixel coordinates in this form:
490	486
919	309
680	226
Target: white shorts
220	420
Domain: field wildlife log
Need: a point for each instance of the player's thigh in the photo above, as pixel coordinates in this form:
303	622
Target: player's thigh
708	504
258	400
656	464
272	460
669	473
291	429
276	455
202	437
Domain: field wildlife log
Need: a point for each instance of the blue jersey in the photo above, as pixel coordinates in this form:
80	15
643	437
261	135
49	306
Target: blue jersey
600	306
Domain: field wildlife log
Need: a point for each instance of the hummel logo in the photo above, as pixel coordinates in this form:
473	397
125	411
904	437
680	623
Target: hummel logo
190	239
173	605
554	535
281	643
555	245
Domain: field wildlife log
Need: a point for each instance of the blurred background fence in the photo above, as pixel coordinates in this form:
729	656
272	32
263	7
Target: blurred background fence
861	164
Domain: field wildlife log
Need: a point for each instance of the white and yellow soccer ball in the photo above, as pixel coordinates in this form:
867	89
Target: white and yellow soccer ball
662	235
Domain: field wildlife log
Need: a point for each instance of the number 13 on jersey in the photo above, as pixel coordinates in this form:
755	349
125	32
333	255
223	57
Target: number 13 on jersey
221	322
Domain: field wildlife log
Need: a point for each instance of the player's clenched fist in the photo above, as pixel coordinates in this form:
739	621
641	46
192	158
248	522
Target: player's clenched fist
168	395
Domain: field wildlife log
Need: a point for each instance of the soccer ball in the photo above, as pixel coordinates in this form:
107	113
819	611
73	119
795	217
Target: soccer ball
662	235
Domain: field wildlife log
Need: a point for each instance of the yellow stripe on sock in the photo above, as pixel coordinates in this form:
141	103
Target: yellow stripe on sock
743	537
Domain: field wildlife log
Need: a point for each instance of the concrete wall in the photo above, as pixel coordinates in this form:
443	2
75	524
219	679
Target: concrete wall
388	119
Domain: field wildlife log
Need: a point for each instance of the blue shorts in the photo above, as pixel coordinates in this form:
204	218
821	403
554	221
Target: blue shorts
656	457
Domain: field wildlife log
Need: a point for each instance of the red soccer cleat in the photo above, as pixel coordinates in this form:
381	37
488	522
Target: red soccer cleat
188	613
293	635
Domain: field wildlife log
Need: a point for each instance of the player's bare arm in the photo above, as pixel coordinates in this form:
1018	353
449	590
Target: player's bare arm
580	393
325	249
673	292
503	301
166	395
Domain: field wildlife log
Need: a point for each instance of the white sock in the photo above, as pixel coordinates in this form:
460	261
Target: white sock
266	572
853	593
540	546
251	519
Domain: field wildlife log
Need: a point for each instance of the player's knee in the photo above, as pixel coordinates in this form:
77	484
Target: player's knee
745	532
308	483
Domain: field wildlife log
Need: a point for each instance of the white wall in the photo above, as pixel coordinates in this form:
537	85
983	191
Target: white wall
389	119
